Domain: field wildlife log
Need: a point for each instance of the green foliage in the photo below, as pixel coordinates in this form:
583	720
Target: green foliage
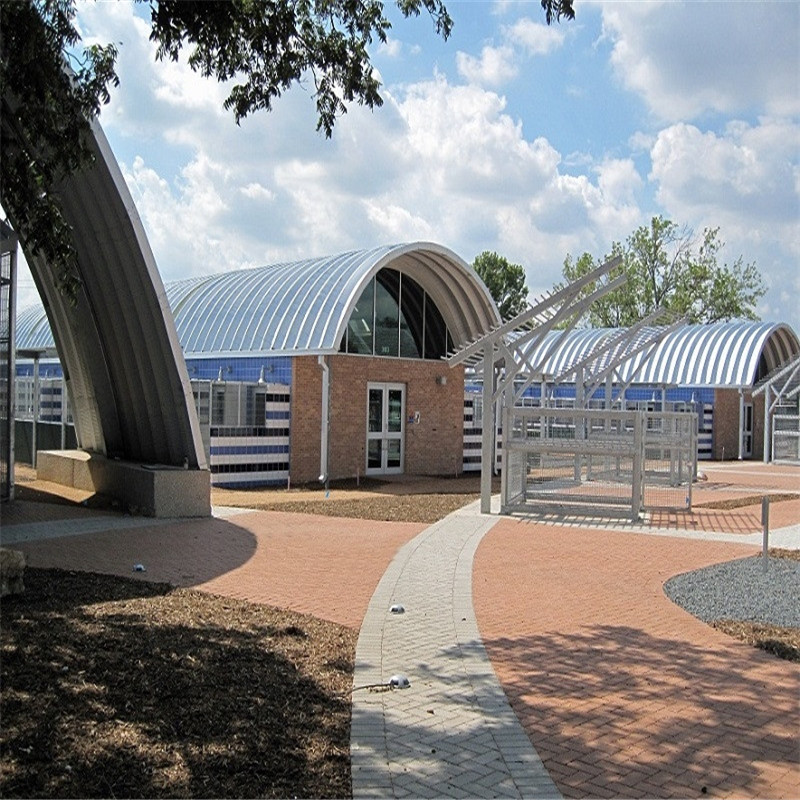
505	281
555	9
43	125
670	267
267	45
262	46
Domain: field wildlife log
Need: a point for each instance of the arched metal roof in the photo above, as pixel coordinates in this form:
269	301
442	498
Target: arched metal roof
304	306
725	354
128	385
33	331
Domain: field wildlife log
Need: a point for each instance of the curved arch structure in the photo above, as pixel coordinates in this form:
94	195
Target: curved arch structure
304	306
724	354
127	381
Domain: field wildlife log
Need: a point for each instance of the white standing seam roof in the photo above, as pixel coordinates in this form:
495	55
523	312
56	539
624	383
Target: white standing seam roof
303	307
724	354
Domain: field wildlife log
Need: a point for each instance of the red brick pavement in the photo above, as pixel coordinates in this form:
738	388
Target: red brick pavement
622	693
744	520
317	565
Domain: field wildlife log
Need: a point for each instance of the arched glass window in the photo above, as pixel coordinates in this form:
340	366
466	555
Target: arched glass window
395	317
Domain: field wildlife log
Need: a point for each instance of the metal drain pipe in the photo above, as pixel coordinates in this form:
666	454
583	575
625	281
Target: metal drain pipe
326	418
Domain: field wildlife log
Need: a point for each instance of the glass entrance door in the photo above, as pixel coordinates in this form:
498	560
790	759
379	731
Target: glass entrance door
747	437
385	428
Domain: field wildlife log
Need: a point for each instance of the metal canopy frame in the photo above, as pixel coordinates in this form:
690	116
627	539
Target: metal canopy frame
503	345
783	384
508	353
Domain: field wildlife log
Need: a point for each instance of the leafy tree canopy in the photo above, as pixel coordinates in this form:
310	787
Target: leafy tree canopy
505	281
673	268
261	46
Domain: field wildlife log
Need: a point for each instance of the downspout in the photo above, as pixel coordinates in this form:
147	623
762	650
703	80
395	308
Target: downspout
325	422
767	430
741	423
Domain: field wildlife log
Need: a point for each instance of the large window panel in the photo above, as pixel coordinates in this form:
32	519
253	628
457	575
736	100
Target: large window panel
412	318
436	335
359	328
387	313
396	317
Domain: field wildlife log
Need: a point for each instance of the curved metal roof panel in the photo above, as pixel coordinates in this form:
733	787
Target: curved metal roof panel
725	354
33	330
304	306
722	354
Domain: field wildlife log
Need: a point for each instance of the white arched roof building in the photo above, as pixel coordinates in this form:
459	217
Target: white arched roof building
356	340
358	330
303	307
728	355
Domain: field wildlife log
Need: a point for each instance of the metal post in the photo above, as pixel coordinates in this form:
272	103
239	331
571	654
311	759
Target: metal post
765	527
35	408
507	432
767	432
580	404
638	465
487	431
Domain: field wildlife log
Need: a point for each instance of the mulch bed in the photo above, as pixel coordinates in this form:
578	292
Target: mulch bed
744	502
119	688
780	641
423	508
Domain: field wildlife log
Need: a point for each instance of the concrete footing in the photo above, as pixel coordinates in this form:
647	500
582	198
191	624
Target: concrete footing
152	490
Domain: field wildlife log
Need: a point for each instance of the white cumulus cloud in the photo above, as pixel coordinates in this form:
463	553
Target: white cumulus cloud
494	67
688	58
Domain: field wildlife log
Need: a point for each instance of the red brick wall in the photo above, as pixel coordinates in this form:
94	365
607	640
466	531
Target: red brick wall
304	444
758	426
433	446
726	424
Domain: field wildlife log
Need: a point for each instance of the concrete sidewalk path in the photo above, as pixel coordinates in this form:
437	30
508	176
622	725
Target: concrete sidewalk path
451	733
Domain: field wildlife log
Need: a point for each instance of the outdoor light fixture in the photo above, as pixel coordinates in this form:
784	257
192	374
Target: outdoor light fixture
441	380
397	609
399	682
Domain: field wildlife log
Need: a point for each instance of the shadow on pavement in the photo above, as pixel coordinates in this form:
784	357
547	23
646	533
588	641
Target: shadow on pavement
618	712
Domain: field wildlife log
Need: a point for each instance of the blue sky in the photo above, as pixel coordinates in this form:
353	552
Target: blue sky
512	136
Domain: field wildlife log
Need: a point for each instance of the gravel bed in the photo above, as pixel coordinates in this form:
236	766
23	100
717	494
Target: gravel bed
741	590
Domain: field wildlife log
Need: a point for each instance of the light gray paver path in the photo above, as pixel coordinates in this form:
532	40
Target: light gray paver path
452	733
56	529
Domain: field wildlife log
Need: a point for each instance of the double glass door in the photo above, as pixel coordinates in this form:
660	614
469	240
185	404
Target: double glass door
385	428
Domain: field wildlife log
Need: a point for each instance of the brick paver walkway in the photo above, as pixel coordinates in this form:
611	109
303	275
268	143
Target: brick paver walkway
324	566
452	732
622	693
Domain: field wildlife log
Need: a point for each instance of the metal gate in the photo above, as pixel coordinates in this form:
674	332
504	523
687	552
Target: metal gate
581	459
786	438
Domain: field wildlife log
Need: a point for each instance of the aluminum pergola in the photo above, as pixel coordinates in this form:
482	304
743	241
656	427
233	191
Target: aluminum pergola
509	359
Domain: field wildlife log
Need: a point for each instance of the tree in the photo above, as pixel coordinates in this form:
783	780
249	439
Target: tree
263	46
505	282
671	267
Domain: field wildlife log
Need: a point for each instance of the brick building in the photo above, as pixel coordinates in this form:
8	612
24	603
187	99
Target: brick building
329	367
333	368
